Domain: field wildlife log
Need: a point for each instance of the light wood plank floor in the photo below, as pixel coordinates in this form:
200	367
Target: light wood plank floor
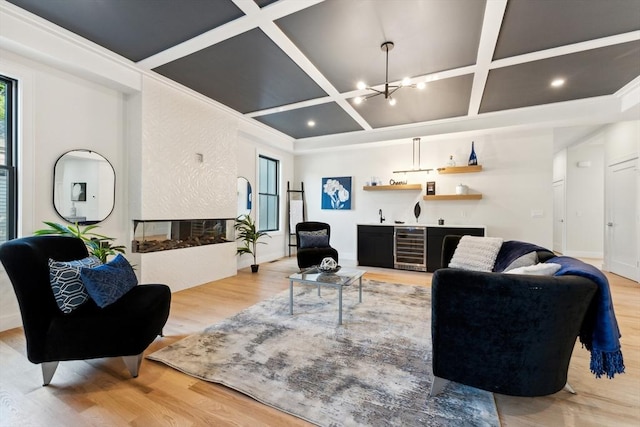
101	392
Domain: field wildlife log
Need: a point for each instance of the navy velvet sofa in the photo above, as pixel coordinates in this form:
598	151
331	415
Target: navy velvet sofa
506	333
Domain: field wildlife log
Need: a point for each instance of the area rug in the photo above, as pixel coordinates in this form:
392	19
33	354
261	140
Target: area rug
373	370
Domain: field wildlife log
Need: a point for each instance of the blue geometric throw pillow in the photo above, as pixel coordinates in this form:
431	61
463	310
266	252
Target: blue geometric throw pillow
107	283
66	285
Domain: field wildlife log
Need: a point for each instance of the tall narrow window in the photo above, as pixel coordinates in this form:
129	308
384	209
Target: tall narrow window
268	194
8	190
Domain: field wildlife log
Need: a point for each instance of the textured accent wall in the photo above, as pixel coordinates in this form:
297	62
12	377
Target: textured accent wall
175	182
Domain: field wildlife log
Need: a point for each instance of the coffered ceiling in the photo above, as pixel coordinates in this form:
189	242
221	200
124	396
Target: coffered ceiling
293	65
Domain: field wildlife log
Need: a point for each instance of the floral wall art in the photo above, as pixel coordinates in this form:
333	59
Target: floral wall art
336	193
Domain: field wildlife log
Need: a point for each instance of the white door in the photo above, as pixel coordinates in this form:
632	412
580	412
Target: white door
558	217
622	219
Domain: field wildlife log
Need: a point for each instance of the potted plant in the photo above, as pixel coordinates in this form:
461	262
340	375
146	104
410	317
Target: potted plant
248	233
97	244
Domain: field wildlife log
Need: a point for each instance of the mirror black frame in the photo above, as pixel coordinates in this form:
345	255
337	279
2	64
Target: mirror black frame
247	197
81	196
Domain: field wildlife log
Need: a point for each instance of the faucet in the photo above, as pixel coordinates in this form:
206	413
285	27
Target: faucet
381	217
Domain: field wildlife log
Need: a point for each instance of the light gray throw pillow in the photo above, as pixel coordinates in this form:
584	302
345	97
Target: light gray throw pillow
525	260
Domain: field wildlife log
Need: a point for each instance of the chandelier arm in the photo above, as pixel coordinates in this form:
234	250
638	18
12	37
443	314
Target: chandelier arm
373	94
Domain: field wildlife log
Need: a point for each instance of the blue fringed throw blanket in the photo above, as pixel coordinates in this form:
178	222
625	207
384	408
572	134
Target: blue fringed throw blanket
599	332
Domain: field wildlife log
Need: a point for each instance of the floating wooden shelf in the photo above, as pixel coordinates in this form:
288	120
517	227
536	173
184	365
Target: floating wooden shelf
453	197
460	169
392	187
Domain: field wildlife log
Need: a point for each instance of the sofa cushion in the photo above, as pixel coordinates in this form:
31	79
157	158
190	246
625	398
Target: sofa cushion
67	287
476	253
540	269
313	239
107	283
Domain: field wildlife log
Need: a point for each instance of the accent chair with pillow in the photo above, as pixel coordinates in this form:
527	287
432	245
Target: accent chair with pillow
75	308
511	329
312	243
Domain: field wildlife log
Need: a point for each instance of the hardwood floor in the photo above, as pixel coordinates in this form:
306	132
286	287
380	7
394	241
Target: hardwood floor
101	392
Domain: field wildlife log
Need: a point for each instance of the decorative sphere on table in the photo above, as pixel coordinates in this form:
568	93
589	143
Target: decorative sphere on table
328	264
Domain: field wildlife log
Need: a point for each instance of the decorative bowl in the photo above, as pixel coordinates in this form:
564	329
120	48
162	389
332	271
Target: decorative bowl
329	270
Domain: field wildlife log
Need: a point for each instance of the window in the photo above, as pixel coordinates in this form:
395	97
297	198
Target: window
268	197
8	202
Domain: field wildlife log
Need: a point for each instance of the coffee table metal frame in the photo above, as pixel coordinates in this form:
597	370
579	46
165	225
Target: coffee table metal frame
338	280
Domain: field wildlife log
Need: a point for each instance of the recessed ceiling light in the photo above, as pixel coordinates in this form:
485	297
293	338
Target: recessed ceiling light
311	123
557	82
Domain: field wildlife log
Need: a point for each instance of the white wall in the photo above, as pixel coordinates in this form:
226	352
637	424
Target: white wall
515	183
249	148
584	214
60	112
183	158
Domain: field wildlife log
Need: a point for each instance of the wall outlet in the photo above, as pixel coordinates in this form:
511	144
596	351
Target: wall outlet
537	213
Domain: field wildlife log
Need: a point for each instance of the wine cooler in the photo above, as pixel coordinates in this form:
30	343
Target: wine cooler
410	248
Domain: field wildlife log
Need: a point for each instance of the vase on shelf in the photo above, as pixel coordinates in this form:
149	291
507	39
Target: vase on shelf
473	159
451	162
417	210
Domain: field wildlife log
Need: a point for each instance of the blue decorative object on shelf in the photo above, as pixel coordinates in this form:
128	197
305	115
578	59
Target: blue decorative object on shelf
473	160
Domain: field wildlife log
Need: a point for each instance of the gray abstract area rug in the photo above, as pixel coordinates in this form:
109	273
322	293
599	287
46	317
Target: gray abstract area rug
373	370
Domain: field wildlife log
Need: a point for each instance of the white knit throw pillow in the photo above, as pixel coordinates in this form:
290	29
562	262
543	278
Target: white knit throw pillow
476	253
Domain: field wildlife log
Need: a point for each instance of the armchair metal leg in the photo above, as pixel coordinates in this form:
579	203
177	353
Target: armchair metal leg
437	386
133	363
48	369
570	389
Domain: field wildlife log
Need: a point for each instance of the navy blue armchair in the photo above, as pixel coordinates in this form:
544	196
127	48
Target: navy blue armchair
124	328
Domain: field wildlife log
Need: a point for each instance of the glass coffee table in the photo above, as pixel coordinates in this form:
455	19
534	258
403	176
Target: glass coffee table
339	279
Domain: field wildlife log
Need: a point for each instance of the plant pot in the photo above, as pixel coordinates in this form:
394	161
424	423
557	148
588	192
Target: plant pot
254	268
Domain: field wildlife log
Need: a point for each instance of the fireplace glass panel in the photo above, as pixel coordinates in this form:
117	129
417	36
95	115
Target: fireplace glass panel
156	235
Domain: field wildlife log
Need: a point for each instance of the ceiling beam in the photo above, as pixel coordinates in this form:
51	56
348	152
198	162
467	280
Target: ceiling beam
493	16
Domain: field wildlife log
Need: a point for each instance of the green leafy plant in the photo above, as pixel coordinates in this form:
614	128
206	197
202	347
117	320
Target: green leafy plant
249	234
98	245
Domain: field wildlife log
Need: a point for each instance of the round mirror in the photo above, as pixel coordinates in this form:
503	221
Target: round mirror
244	196
84	187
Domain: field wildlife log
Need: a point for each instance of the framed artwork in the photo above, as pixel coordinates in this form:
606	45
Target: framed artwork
79	192
336	193
431	188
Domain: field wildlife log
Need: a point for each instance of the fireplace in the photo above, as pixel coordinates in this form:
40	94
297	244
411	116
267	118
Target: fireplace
162	235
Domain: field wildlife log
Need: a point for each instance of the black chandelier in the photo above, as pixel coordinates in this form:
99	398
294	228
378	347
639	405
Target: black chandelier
389	89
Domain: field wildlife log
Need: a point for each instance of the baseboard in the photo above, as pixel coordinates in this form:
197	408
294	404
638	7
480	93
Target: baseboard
584	254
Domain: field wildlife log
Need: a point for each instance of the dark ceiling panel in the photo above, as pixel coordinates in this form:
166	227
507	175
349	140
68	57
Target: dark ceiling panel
135	29
529	26
594	72
439	100
247	73
329	119
263	3
342	38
